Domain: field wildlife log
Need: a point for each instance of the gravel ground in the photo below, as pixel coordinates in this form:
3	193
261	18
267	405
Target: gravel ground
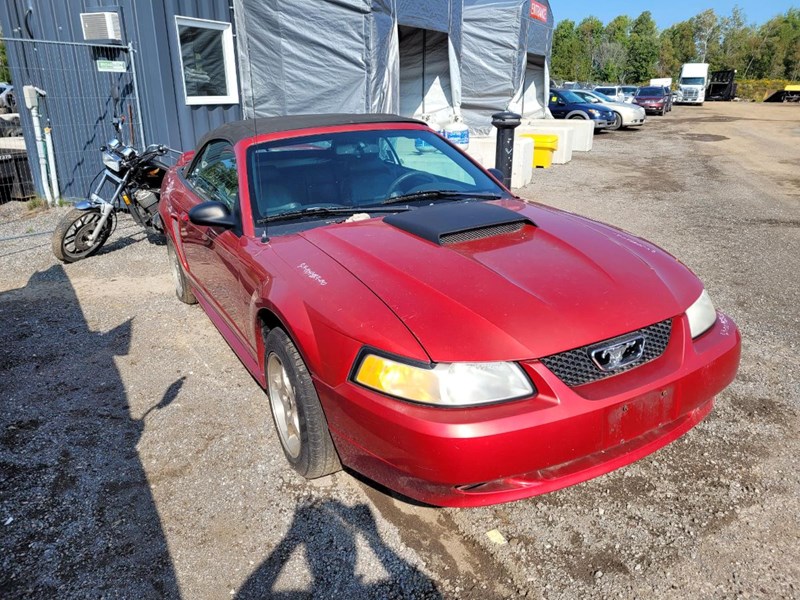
138	459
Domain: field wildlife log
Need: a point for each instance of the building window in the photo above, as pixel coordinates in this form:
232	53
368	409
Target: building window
207	61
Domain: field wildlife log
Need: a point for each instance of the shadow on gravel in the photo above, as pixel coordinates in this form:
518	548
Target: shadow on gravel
327	532
77	519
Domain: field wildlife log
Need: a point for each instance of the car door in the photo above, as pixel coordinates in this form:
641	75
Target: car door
212	253
557	106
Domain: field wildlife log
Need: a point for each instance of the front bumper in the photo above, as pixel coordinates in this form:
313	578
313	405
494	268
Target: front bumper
560	437
602	123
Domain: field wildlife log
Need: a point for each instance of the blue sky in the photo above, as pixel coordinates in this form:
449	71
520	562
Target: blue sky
671	12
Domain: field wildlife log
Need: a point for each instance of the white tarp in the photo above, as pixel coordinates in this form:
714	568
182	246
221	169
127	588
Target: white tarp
425	87
500	39
347	56
535	89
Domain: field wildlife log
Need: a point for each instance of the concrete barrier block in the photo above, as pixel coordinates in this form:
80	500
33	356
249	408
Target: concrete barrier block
483	150
583	130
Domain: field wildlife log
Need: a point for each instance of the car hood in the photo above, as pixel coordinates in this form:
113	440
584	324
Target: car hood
651	98
626	106
559	284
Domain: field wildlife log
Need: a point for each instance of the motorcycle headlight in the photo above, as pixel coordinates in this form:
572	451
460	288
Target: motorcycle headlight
444	384
112	162
702	315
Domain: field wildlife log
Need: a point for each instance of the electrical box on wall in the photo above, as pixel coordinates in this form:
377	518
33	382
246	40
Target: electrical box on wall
101	26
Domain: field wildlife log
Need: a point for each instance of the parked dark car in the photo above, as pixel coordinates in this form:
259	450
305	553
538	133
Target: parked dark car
565	104
654	99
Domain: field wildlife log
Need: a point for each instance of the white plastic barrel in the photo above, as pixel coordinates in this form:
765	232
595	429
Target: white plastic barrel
457	132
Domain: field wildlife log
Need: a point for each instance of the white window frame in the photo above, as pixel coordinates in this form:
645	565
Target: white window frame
229	58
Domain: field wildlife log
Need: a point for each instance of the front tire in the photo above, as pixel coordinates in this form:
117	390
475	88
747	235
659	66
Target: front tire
70	241
182	289
617	122
296	410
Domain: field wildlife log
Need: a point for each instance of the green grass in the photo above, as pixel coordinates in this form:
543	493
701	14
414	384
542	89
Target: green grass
36	203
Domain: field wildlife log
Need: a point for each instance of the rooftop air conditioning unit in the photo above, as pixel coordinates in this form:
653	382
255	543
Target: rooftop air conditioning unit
101	26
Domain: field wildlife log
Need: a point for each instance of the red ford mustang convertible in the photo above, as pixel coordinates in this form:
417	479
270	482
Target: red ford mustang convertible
415	322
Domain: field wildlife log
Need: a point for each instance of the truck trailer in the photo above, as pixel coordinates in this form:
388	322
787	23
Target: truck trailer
722	86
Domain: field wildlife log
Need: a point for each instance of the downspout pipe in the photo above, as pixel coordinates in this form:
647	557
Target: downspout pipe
32	94
51	163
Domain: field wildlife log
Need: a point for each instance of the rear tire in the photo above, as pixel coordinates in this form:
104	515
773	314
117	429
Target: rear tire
70	239
296	410
182	288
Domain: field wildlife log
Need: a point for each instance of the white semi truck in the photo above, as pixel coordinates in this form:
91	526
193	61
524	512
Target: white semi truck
692	83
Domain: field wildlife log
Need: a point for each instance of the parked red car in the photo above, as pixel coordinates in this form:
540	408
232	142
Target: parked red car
654	99
412	320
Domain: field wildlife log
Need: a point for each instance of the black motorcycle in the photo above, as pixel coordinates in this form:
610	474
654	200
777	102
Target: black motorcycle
135	178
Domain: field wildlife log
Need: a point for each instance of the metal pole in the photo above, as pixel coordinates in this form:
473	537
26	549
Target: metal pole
506	122
31	95
142	142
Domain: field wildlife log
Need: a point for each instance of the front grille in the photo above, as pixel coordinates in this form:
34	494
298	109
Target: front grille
576	367
479	234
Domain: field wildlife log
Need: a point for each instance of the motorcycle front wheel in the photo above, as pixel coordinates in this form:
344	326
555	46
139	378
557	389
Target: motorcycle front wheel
71	237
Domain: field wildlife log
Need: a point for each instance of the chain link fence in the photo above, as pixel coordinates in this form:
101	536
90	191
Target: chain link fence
75	102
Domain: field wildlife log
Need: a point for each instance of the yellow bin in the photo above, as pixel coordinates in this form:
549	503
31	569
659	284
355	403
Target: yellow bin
544	145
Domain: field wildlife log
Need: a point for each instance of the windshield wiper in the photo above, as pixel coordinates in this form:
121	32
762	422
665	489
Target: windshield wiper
441	194
323	211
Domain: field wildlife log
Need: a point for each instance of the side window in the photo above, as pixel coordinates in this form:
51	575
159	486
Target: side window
214	174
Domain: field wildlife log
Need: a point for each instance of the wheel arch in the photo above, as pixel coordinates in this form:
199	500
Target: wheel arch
578	113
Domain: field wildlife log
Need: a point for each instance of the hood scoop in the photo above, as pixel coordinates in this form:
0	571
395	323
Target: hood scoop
456	223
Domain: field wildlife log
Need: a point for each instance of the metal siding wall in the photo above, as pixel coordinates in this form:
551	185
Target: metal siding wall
150	26
194	121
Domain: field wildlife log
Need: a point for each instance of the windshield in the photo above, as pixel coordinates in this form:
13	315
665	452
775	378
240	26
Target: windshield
603	97
357	169
630	89
650	91
587	97
607	91
569	96
693	81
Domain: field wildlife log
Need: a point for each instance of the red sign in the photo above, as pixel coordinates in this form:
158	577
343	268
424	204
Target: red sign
538	11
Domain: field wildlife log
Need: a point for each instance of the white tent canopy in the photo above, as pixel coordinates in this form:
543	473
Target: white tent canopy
414	57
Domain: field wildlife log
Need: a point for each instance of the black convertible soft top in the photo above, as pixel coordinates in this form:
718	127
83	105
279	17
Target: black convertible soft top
239	130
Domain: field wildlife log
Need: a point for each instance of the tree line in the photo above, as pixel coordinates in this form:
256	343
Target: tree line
634	50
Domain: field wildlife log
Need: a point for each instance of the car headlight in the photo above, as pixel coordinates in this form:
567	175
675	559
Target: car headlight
702	315
594	112
444	384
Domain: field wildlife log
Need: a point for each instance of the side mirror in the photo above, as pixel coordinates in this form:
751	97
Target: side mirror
212	214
